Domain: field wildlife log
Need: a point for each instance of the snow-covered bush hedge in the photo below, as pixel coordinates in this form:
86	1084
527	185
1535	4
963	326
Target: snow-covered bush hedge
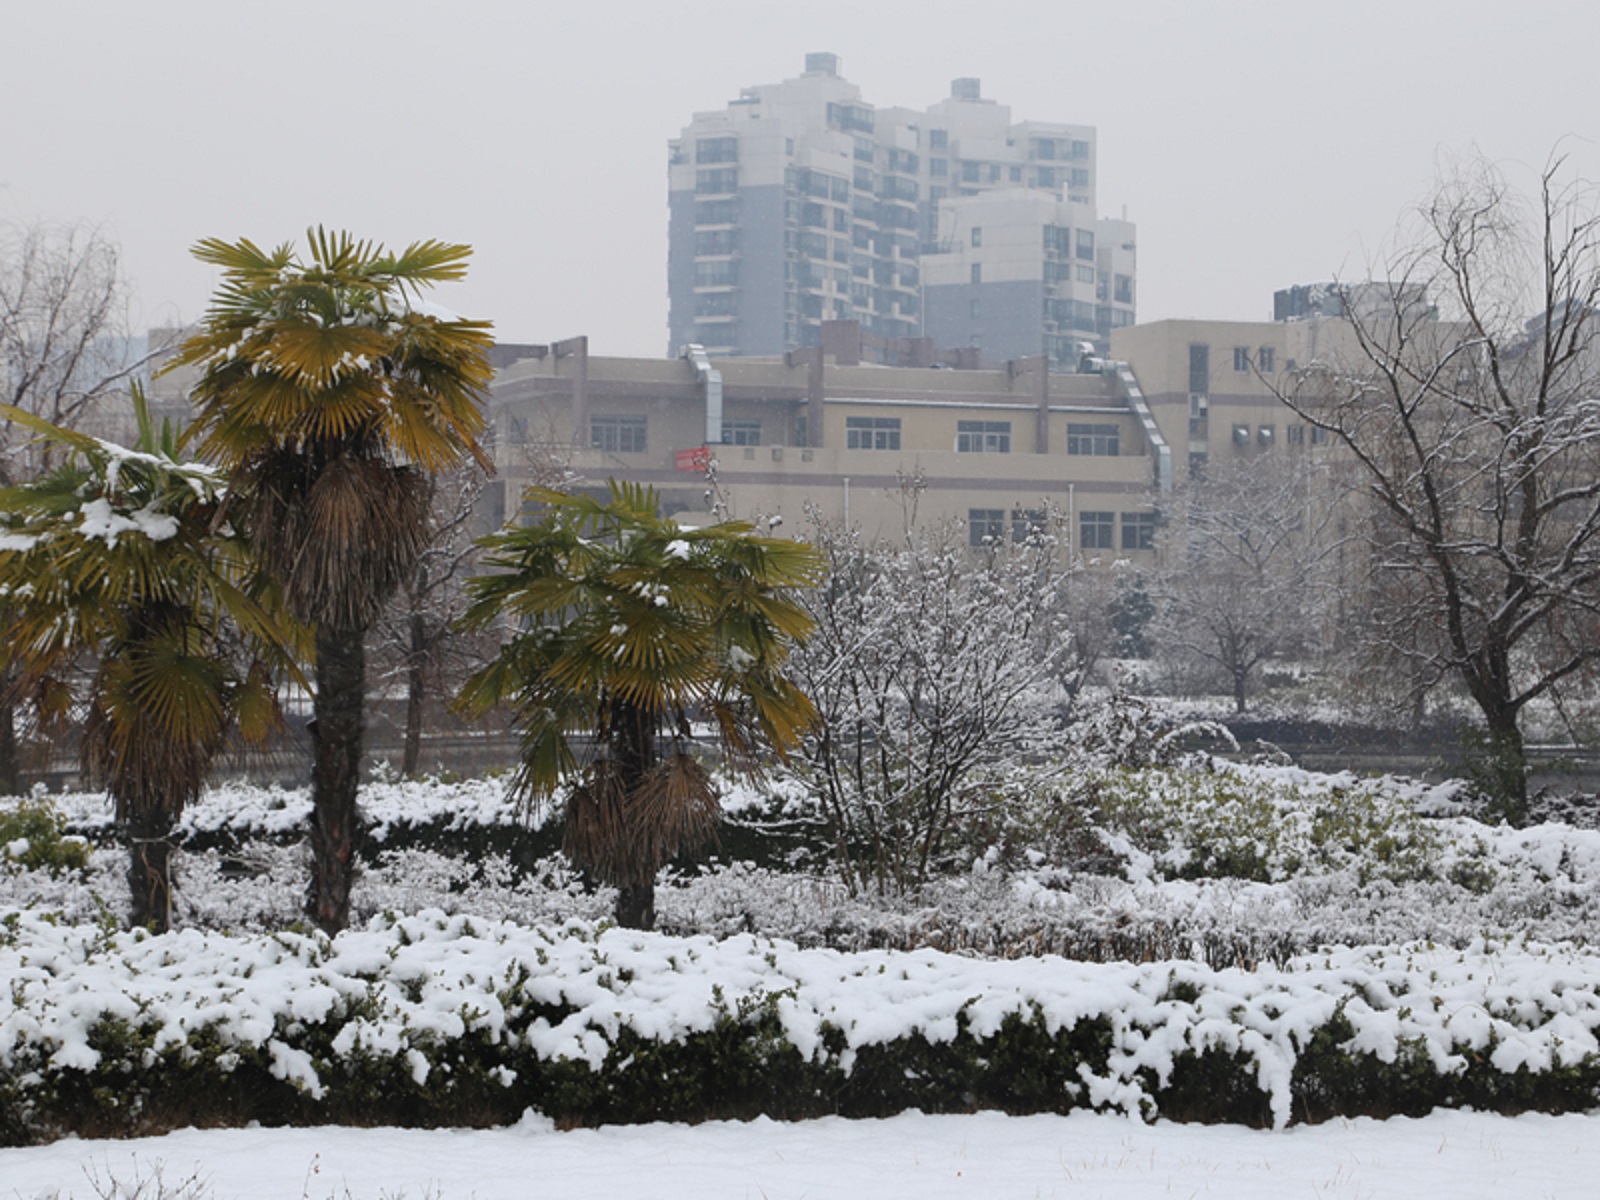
1226	865
439	1019
33	835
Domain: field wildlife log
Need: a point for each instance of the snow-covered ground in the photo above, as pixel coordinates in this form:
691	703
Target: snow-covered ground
1330	864
1463	1156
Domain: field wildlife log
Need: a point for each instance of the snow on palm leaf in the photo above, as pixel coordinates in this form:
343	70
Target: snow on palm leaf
117	555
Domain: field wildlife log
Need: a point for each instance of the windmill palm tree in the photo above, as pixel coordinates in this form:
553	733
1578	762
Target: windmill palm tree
329	397
116	556
629	628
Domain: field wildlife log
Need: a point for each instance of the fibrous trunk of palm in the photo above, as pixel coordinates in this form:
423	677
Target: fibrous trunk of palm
636	743
10	766
416	694
336	774
150	874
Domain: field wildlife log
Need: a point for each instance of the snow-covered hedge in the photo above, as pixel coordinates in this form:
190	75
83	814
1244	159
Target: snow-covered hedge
1227	864
439	1019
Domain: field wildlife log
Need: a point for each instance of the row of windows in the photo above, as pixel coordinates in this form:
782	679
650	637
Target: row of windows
1097	530
981	437
616	434
627	434
1265	435
1068	242
1266	359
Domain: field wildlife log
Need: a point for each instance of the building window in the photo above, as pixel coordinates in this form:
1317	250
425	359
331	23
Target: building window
1199	369
1122	290
1085	274
1026	523
1085	246
977	235
1295	435
985	526
1100	440
983	437
1097	530
716	272
1138	531
977	309
1241	435
1266	359
716	304
716	180
617	434
977	272
716	241
717	150
1265	435
1241	358
741	432
939	167
716	212
1319	436
872	433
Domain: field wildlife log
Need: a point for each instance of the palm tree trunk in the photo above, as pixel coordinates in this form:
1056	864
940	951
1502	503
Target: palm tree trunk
416	695
10	765
636	906
150	871
335	775
636	900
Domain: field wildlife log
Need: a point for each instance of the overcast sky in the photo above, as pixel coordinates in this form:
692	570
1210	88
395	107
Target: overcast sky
1256	144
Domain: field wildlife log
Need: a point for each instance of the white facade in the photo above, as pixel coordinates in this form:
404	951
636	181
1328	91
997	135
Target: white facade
800	202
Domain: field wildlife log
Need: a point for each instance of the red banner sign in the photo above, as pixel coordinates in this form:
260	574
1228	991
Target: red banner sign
697	459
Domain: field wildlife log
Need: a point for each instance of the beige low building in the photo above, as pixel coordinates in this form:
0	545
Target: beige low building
993	450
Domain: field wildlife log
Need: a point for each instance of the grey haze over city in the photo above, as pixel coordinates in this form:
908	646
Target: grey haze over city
1256	144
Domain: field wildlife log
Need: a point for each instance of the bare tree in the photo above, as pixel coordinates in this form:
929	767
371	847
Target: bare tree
1247	558
933	667
416	640
64	354
1478	438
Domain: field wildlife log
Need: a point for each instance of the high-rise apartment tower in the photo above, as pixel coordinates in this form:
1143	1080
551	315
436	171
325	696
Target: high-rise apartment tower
800	202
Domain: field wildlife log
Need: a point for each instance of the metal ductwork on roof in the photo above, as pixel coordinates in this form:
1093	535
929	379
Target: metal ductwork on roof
711	383
1141	409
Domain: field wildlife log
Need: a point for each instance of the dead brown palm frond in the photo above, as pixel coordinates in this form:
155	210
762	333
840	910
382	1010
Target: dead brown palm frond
624	837
598	831
676	808
342	539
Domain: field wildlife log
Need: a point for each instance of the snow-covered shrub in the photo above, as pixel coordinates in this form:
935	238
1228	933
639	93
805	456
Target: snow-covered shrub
433	1019
33	834
934	667
1263	825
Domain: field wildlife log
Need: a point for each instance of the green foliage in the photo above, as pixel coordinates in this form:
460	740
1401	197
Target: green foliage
742	1066
1257	826
33	835
629	628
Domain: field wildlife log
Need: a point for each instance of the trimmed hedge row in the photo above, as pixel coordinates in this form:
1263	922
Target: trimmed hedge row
436	1021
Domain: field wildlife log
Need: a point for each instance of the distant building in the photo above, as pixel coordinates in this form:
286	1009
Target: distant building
994	450
801	203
